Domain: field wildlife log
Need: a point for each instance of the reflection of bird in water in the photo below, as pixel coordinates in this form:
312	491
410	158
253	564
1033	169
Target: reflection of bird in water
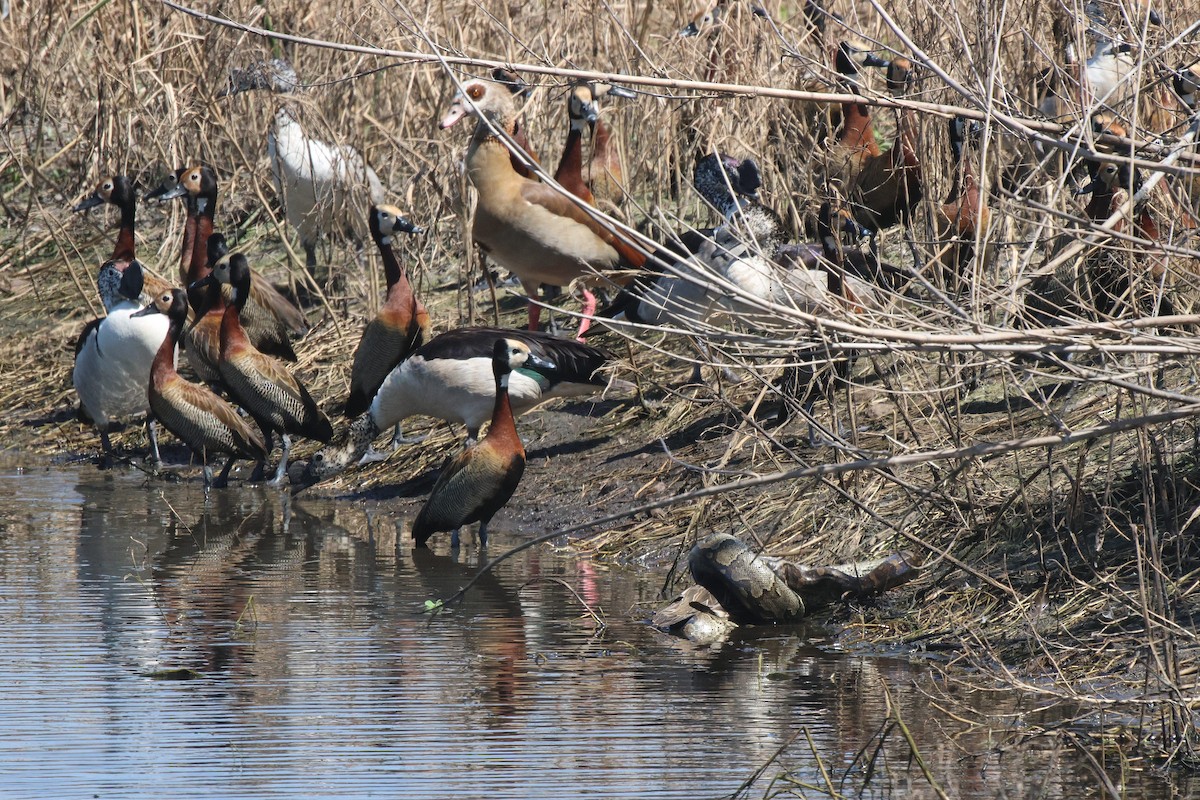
122	526
496	635
202	582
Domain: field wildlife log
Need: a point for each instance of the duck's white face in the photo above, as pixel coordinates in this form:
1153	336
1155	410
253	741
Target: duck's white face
581	105
477	97
390	220
518	354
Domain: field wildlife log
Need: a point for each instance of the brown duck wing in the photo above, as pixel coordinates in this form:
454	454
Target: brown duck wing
382	347
554	201
273	396
203	347
472	487
262	293
267	332
205	422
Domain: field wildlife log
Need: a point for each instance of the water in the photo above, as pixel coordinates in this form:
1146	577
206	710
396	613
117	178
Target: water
153	645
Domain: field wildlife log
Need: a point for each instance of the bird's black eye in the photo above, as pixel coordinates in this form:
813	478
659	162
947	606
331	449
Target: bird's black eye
318	458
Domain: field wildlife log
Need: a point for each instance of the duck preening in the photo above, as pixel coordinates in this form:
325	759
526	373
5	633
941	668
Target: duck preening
261	384
476	483
113	355
535	231
316	180
203	421
450	378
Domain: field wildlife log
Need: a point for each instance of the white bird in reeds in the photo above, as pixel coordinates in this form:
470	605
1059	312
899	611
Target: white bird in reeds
316	180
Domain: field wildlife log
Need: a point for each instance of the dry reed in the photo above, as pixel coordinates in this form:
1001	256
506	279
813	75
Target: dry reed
1054	562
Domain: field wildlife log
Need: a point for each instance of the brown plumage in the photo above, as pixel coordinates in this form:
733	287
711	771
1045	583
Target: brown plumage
854	144
402	324
533	230
477	483
1125	277
889	185
270	318
262	385
964	214
119	191
203	421
600	176
519	88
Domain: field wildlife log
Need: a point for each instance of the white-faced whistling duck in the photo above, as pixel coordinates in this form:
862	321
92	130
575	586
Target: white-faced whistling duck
889	185
261	384
476	483
964	215
316	180
1123	278
121	192
270	318
203	421
113	355
537	233
855	144
400	327
602	176
450	378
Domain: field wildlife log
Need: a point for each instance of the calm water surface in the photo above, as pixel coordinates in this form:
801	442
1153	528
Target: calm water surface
154	645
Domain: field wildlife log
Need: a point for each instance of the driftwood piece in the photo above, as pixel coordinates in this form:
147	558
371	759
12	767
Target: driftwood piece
737	586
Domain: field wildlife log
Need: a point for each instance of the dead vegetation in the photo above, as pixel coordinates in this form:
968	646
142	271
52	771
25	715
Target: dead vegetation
1062	562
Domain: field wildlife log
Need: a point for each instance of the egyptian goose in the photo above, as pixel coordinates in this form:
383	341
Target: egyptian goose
121	192
112	361
533	230
203	421
316	180
270	318
400	327
476	483
450	378
601	176
261	384
963	216
703	20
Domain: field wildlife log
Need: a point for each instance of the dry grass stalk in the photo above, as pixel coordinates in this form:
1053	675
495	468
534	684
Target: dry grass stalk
1055	495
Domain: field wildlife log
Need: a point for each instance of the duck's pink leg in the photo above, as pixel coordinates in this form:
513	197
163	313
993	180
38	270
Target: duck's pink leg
589	310
535	316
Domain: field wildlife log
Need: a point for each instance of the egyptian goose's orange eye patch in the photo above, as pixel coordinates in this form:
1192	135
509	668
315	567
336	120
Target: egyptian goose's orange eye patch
475	91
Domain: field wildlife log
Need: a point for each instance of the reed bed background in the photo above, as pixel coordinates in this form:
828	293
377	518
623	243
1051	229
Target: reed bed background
1060	562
